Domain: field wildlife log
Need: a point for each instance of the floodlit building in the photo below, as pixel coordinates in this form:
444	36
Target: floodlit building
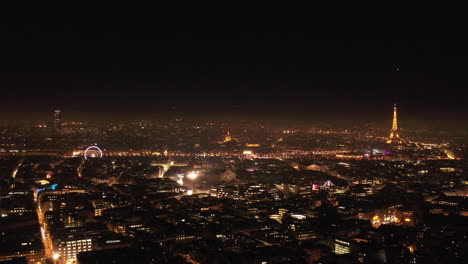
68	247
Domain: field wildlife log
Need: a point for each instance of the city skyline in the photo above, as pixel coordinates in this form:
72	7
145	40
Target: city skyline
286	132
412	119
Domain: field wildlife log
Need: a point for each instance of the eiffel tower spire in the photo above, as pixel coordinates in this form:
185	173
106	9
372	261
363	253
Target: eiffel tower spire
394	135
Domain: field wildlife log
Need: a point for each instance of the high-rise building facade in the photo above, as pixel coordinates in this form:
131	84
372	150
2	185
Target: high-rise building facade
69	246
57	120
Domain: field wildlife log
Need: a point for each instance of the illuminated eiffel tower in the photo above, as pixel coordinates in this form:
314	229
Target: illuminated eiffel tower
394	135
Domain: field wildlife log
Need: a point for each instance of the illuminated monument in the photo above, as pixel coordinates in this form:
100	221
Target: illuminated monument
228	137
394	135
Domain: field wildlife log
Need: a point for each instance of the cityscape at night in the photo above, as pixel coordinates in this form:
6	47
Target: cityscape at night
271	133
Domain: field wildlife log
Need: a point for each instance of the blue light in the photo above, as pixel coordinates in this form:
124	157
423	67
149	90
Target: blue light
52	187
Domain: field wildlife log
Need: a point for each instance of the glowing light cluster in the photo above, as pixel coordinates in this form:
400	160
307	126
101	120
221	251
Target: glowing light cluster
192	175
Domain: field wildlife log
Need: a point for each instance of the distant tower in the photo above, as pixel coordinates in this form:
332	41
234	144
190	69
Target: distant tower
394	135
57	120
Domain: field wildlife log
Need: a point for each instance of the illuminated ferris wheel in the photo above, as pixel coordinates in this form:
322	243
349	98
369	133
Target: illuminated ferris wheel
92	152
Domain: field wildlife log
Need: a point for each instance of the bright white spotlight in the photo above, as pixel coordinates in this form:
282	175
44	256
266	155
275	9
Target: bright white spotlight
56	256
189	192
192	175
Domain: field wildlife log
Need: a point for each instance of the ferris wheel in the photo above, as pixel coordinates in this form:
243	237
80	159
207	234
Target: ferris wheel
92	152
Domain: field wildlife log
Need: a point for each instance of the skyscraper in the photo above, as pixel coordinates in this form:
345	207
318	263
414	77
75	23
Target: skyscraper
394	135
57	120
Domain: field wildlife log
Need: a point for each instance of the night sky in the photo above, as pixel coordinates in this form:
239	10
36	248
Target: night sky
269	58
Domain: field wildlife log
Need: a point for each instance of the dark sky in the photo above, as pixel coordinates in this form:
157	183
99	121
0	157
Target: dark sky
267	58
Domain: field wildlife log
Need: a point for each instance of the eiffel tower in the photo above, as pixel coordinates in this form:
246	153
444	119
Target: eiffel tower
394	135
